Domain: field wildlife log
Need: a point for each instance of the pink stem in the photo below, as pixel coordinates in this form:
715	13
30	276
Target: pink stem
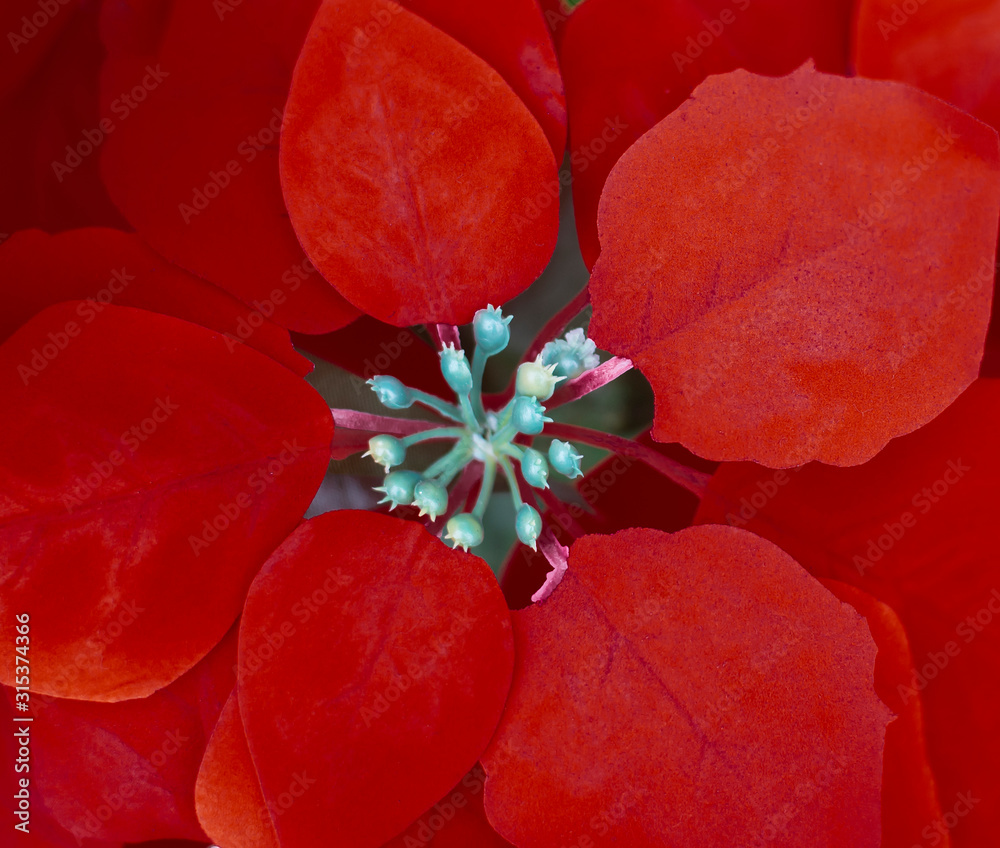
694	481
447	334
558	557
350	419
593	379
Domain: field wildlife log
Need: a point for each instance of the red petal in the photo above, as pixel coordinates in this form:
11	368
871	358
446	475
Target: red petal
228	796
367	347
145	465
44	184
232	808
786	315
950	49
909	793
676	689
629	63
27	41
126	771
411	170
193	162
514	41
620	492
115	267
915	528
399	654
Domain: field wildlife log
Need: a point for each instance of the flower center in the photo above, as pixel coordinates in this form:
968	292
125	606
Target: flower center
486	437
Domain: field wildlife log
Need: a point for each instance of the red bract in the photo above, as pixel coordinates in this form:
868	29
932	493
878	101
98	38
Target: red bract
634	654
914	528
51	118
406	163
148	468
196	93
370	679
811	298
629	64
125	772
950	49
515	43
109	266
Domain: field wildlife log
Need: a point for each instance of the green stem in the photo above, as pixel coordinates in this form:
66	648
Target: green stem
441	407
478	367
512	450
437	433
445	468
515	489
469	414
486	487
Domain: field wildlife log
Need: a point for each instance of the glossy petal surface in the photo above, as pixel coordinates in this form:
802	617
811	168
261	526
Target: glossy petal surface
630	63
196	92
802	267
109	266
407	163
914	528
909	790
399	654
144	465
125	771
514	40
644	708
950	49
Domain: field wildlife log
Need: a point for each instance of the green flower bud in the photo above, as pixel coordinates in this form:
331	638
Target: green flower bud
386	451
456	370
535	468
565	459
431	497
398	488
536	380
490	329
529	415
465	530
391	392
529	525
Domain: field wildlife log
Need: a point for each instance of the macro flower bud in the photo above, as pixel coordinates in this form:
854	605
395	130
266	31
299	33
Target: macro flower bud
490	329
398	488
565	459
391	392
536	380
456	370
431	497
529	525
572	355
529	415
535	468
465	530
387	451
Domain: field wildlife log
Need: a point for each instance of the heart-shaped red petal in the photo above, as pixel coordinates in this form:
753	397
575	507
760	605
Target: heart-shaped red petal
147	470
374	664
417	181
699	689
802	267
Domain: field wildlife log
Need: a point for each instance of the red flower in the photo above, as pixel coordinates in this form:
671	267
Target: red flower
801	264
